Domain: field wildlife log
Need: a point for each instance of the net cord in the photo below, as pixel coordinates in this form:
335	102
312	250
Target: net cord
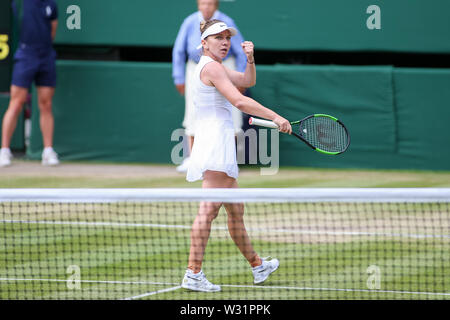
395	195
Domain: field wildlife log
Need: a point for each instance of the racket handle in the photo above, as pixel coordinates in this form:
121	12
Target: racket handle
262	123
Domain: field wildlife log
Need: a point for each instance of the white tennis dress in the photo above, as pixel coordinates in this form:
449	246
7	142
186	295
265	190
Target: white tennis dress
214	145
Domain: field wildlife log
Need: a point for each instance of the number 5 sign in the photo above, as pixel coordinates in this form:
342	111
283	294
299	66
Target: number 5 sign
4	46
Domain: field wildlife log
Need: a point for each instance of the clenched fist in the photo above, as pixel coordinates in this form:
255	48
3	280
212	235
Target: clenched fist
248	47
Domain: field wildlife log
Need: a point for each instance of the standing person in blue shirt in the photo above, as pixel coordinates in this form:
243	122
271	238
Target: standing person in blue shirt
186	54
34	60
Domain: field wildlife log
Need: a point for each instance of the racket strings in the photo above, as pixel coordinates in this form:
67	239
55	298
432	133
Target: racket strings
324	133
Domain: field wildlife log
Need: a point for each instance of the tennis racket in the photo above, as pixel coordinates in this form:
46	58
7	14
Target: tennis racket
323	133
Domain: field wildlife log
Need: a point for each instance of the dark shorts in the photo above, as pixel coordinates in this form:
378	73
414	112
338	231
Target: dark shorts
34	65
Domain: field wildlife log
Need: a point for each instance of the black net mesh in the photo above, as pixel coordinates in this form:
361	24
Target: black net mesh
140	251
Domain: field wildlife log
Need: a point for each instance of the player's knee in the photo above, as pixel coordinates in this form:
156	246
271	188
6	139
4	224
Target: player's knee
210	210
213	215
16	105
208	216
236	210
214	211
45	105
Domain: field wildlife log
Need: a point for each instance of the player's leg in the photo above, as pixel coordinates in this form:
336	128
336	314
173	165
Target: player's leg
238	232
261	267
18	98
24	72
47	123
46	120
194	278
46	83
207	212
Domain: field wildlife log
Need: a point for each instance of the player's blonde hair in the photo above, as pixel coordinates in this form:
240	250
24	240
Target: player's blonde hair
206	24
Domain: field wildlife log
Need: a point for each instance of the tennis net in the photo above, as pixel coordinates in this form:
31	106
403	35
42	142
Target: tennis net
134	243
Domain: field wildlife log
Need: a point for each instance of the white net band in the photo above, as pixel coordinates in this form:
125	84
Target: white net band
410	195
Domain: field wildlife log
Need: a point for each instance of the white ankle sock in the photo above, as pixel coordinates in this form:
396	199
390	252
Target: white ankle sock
48	149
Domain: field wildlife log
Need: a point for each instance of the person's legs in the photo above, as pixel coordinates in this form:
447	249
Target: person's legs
45	97
194	278
238	233
24	71
46	120
201	229
18	98
207	212
261	268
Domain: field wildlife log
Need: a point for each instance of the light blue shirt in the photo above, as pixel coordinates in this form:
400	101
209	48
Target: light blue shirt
188	39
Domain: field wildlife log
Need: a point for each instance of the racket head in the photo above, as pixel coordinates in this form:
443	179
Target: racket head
324	133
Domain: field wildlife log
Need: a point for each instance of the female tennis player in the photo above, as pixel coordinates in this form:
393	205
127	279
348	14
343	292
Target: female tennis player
213	156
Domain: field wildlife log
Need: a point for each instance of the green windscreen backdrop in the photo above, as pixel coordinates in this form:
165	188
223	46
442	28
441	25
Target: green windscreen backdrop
5	45
305	90
397	117
112	111
121	111
388	25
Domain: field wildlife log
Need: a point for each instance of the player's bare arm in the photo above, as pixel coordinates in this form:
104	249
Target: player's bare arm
247	78
54	28
214	74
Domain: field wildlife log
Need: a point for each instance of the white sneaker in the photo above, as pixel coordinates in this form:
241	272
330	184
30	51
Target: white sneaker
49	158
198	282
183	167
5	157
262	272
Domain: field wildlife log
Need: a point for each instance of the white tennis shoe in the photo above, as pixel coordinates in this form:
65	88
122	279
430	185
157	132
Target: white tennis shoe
49	158
5	157
198	282
262	272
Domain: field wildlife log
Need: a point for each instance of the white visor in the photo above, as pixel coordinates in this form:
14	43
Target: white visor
215	29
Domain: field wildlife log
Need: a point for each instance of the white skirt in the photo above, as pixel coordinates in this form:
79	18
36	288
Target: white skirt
214	149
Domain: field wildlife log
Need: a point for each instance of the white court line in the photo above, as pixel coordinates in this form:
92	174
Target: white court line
175	226
153	293
90	281
98	224
234	286
337	289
